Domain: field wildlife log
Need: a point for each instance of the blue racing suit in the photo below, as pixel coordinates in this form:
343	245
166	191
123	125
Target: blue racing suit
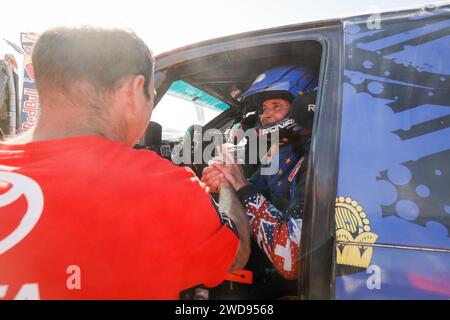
274	206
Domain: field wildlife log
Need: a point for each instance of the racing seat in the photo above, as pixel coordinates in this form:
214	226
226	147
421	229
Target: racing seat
152	137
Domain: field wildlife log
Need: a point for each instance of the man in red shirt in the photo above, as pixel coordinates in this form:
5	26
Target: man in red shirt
85	216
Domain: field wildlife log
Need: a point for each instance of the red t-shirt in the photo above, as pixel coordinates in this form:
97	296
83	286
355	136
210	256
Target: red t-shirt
90	218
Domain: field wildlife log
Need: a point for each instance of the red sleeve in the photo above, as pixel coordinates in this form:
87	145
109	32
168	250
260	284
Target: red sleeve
180	240
209	263
211	241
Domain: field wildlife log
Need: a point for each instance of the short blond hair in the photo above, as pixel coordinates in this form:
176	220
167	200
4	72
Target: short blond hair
101	57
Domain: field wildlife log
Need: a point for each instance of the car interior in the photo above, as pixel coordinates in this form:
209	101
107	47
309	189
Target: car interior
226	75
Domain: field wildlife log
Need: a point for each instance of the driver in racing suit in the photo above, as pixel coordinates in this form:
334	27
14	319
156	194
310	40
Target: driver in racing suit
274	203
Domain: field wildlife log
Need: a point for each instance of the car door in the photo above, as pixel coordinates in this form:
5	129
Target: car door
393	191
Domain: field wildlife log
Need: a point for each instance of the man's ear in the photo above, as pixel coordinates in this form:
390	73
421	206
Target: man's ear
137	91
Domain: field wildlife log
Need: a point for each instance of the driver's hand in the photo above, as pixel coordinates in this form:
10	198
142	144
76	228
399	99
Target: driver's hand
212	177
233	173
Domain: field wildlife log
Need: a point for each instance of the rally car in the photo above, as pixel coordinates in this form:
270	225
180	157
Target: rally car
377	206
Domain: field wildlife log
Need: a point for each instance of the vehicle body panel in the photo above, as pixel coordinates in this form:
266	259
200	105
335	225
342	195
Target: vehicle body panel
395	152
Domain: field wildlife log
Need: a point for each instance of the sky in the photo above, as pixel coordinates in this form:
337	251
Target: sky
166	25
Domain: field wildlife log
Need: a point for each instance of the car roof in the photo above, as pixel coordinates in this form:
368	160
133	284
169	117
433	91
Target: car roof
298	26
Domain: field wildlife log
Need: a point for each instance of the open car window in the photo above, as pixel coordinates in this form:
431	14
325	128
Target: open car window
184	105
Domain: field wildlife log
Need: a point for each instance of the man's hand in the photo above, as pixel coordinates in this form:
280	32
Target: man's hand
213	178
233	173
